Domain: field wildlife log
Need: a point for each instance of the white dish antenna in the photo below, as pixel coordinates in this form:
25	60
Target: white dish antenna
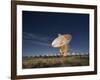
61	40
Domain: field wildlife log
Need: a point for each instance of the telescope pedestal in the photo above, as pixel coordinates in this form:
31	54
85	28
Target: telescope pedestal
63	50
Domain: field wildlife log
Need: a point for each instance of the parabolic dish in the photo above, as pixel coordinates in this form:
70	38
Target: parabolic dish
60	41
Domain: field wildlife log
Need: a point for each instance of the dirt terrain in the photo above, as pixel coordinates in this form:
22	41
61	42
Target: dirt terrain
54	61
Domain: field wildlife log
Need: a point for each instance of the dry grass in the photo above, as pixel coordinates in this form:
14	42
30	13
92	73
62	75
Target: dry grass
54	61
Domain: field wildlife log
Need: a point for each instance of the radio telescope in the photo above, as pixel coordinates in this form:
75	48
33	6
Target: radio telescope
62	42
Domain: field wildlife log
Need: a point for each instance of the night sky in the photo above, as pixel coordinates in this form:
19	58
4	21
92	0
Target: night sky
41	28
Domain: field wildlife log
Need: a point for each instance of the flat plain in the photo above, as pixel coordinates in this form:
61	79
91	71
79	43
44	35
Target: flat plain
54	61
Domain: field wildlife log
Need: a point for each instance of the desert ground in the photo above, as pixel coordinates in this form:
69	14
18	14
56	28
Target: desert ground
54	61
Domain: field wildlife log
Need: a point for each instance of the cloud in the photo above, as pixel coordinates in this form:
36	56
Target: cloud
36	39
35	36
41	43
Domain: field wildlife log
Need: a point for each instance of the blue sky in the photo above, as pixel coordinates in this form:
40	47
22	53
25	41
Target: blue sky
41	28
